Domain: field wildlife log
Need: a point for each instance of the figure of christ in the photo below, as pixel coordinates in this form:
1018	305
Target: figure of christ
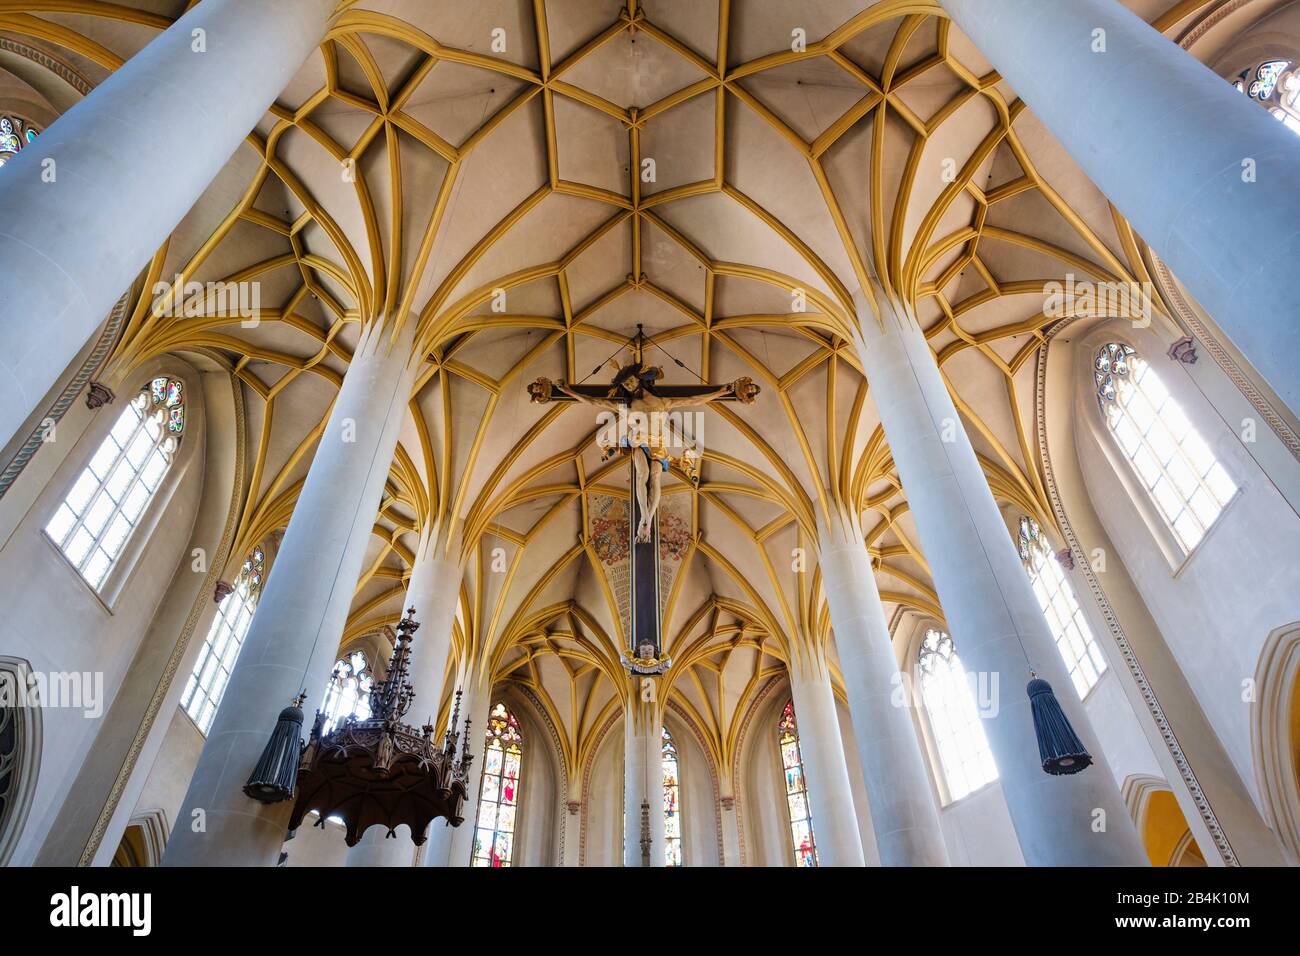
632	393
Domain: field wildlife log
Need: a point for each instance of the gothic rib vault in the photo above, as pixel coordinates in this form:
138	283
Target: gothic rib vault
410	171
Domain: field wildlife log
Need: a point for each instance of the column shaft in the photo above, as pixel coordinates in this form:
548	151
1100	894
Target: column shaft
433	591
830	795
903	812
454	846
1175	160
81	213
293	641
995	621
643	781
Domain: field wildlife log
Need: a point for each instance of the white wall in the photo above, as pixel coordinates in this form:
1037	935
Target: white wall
1216	607
56	621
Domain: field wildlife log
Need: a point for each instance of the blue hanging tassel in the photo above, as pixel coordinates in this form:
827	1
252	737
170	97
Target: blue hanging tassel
276	774
1058	745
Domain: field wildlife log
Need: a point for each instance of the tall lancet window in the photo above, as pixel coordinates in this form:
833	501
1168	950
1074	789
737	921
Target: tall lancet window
93	523
348	694
949	699
1064	616
796	790
494	838
1175	466
222	645
672	803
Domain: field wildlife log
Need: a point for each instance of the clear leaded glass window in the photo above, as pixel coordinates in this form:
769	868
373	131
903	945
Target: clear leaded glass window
949	699
494	838
796	790
672	802
348	694
221	647
1064	616
1173	462
96	518
15	134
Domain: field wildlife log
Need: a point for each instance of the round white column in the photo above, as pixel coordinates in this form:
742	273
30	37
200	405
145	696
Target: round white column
1170	157
454	846
903	812
643	781
433	591
127	163
830	795
293	641
995	621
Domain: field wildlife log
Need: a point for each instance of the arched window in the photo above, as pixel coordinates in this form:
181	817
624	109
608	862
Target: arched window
1176	467
15	134
1275	85
672	803
222	645
796	790
348	694
97	517
954	718
1056	597
494	838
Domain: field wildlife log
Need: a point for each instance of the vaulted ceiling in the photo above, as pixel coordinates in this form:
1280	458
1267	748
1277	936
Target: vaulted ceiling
528	180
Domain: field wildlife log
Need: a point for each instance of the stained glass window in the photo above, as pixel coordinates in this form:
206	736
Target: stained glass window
672	802
954	718
348	694
221	647
1276	87
494	838
1064	616
796	790
1173	462
15	134
97	517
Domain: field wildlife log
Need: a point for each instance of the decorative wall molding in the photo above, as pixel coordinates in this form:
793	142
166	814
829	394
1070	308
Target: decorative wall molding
737	784
55	412
586	782
1272	749
562	778
24	762
684	717
1157	713
56	66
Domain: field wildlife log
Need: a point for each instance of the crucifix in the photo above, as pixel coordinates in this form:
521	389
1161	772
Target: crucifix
640	421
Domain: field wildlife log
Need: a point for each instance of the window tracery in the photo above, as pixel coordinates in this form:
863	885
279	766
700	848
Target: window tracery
796	790
1176	467
964	755
216	661
1065	618
101	510
498	803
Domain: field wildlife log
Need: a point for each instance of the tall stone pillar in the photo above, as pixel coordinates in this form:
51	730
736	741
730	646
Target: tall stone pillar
995	621
643	781
433	590
80	215
830	794
903	812
293	641
1201	172
454	846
